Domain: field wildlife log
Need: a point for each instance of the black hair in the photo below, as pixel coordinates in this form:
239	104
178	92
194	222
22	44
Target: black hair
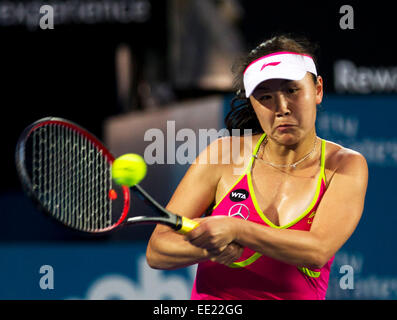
242	115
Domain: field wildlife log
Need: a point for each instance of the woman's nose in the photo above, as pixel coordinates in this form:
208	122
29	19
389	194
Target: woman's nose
282	109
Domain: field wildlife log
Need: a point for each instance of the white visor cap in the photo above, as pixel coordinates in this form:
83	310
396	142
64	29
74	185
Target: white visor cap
278	65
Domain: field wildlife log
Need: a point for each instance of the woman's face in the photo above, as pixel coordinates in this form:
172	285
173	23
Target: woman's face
286	109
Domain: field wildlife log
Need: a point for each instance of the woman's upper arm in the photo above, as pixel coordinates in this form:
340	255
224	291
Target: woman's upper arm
196	191
342	205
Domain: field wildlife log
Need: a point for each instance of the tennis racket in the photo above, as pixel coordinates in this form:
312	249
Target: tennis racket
67	172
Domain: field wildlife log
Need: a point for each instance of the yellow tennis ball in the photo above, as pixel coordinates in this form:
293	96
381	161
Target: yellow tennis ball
129	169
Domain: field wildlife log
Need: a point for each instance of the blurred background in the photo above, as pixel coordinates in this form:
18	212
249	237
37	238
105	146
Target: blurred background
122	67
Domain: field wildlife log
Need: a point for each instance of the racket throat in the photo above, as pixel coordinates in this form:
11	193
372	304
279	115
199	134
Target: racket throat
175	222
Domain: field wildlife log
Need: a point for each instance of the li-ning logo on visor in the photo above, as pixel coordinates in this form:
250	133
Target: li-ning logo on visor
270	64
239	210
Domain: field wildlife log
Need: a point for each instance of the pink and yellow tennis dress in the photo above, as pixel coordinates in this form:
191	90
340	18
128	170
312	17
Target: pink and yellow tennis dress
255	276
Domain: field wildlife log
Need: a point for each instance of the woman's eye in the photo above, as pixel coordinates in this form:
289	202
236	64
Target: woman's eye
292	90
265	97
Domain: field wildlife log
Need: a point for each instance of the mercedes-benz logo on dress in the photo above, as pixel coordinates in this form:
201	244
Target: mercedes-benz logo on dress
239	210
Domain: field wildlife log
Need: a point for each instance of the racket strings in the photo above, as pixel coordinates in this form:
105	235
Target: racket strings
71	177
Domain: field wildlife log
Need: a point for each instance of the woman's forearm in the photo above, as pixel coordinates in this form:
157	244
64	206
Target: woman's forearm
169	250
296	247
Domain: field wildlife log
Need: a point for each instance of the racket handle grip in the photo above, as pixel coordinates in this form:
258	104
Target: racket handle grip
187	225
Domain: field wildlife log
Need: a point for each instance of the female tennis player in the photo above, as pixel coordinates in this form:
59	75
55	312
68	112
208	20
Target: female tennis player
276	227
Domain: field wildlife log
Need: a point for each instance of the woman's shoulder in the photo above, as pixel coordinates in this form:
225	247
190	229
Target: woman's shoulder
231	149
343	160
337	153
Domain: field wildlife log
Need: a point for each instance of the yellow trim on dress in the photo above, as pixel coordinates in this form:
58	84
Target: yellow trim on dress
256	255
313	202
246	262
245	171
309	273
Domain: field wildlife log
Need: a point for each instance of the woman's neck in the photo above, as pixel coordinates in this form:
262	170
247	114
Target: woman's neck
287	155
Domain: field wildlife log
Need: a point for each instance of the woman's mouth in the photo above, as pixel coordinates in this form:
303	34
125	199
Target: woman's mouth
283	127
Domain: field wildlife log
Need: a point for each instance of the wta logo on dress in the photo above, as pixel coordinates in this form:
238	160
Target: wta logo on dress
239	195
